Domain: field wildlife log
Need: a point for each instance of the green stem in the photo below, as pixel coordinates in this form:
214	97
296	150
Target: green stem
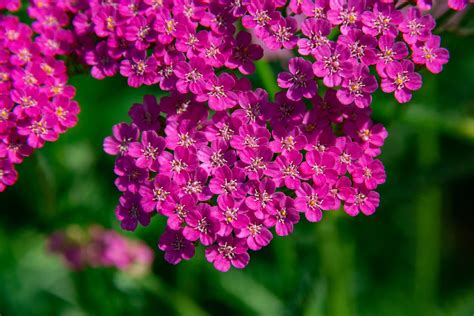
336	261
428	227
46	185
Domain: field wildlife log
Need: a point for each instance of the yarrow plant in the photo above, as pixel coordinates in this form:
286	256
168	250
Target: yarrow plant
99	247
225	163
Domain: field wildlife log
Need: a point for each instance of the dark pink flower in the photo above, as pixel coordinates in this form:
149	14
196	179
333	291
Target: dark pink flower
130	212
312	201
282	214
228	251
203	224
431	55
332	64
175	246
402	80
299	81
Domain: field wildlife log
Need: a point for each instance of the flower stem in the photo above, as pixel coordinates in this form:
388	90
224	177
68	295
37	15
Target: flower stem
428	227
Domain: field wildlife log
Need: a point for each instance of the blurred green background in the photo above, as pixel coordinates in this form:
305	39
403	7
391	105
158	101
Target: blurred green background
415	256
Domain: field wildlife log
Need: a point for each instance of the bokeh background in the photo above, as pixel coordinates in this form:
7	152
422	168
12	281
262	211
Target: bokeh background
415	256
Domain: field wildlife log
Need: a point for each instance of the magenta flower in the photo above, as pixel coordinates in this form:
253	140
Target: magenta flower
287	140
192	76
383	20
184	159
147	151
416	27
122	135
285	170
130	176
260	194
194	183
203	224
175	246
231	215
156	193
8	174
130	212
102	64
244	54
139	69
216	156
299	80
370	136
316	32
369	172
312	201
140	31
228	251
177	209
361	46
105	21
358	88
255	233
219	92
281	34
346	153
389	51
332	64
146	116
282	215
346	13
213	49
319	166
431	55
255	161
402	80
184	133
250	136
261	14
228	181
39	130
362	201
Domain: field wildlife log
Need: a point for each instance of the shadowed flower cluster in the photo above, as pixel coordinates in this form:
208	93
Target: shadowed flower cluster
99	247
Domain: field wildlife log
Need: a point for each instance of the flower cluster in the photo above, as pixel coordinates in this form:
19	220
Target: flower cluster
227	179
99	247
222	162
391	41
35	101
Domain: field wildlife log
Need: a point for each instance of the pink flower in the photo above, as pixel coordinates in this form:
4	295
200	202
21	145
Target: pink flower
299	80
431	55
312	201
175	246
282	215
226	252
402	80
369	172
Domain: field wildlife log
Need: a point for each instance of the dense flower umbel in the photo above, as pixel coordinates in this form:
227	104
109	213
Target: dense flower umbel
35	101
225	181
